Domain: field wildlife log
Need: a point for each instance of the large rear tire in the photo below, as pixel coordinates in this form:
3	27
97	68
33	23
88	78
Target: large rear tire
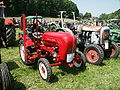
94	54
5	78
22	55
10	35
113	51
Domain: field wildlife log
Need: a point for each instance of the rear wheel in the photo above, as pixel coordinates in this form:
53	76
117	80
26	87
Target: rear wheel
4	77
113	51
10	35
45	69
80	60
22	53
94	54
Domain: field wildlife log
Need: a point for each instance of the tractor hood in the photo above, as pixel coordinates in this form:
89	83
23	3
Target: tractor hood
64	41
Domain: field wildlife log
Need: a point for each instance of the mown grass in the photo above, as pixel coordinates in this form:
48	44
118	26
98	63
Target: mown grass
104	77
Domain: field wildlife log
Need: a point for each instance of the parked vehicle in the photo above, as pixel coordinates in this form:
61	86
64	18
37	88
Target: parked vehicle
94	41
7	29
115	30
48	47
99	37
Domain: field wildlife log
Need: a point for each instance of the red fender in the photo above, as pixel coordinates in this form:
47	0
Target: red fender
9	21
28	41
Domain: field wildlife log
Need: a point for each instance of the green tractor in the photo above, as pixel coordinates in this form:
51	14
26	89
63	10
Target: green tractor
114	25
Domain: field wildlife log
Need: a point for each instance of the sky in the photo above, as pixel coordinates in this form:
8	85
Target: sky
97	7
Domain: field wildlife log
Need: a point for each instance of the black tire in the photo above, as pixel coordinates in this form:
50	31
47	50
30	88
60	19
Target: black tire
113	51
53	28
45	70
82	62
60	30
5	78
22	56
10	35
94	54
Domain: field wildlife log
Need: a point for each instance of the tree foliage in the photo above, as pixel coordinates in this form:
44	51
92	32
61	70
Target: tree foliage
114	15
48	8
87	15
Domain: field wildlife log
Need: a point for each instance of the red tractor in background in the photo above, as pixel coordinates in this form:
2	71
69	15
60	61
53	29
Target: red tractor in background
5	82
48	49
7	29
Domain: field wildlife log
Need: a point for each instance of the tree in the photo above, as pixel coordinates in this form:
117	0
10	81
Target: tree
49	8
87	15
114	15
103	16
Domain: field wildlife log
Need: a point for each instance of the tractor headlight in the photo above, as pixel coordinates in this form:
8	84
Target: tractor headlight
106	35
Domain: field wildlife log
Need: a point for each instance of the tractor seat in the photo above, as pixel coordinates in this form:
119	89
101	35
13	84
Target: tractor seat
91	28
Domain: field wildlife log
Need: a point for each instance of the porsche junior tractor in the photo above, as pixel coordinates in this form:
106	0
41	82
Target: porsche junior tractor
48	47
7	28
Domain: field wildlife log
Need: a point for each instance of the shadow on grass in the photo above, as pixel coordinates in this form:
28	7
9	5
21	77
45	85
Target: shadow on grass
15	85
64	68
13	45
71	70
102	64
12	65
54	78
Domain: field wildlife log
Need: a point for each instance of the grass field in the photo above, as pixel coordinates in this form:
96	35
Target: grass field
104	77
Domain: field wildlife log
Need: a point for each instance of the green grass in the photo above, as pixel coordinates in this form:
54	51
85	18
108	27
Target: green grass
105	77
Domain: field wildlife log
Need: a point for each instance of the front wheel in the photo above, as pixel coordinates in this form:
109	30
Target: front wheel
94	54
45	69
5	78
113	51
79	60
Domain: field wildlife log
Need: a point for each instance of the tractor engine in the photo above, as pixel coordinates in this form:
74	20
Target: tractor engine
95	35
63	43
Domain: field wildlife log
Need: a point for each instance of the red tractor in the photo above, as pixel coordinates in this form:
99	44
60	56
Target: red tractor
7	29
48	49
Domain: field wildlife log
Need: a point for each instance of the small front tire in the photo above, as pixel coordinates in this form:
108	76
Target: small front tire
45	70
80	60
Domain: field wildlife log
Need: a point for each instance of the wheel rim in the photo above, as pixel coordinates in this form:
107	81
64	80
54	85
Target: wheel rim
92	56
22	53
113	52
43	70
77	62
